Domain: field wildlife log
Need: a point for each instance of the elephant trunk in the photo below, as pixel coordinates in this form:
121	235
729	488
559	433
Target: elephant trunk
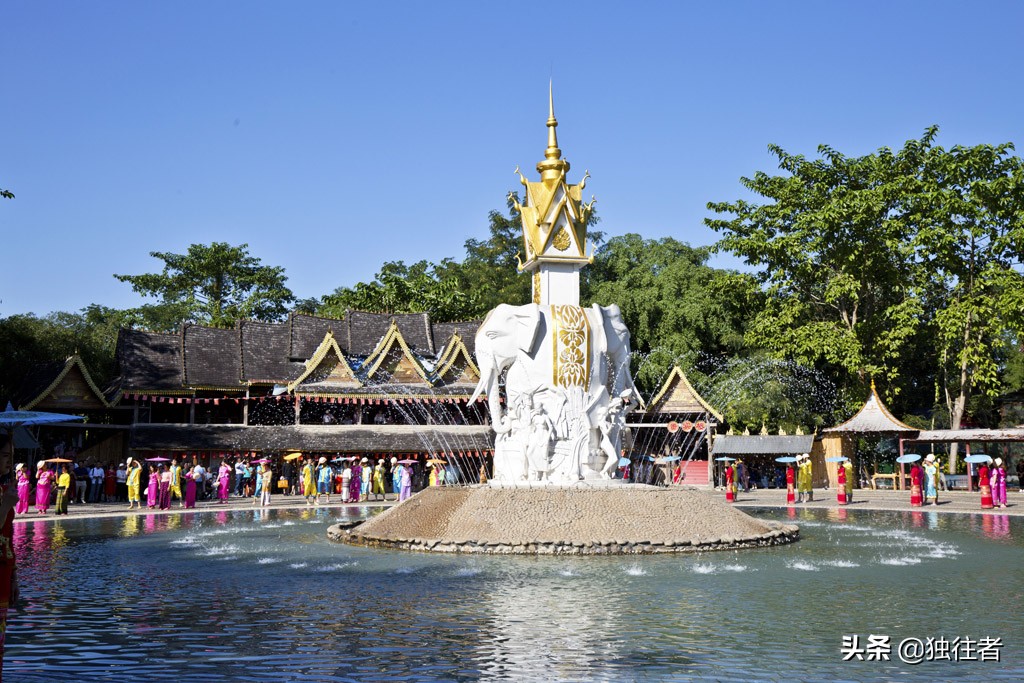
489	383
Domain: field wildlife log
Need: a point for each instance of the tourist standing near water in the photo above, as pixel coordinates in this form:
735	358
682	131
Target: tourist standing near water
324	480
378	481
44	486
847	467
367	475
190	489
8	577
164	478
355	486
152	488
396	478
24	484
998	483
268	483
257	496
121	477
804	481
64	491
134	483
346	480
96	476
931	480
308	488
405	483
176	482
223	481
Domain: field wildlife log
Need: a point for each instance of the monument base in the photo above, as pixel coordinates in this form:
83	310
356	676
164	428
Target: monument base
566	520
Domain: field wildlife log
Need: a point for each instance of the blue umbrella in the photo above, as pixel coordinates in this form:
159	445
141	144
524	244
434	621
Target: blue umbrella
669	458
910	457
786	458
836	458
623	462
11	418
978	457
724	458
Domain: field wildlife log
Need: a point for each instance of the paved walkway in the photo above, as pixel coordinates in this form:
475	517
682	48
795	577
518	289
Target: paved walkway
866	499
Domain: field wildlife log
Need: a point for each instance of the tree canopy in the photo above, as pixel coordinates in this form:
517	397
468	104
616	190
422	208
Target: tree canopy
216	284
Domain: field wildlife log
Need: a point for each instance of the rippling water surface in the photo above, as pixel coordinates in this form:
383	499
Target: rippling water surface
264	596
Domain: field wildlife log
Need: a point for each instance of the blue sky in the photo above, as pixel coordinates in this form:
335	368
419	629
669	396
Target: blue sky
334	136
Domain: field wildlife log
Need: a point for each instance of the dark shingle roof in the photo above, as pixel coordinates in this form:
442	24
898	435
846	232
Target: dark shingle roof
365	331
763	445
265	351
307	331
149	360
467	330
212	356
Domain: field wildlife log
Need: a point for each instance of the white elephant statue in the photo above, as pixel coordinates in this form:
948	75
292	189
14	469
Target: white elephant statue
566	372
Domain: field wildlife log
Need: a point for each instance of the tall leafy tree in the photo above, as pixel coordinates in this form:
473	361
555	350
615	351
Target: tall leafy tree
833	245
678	309
216	284
970	210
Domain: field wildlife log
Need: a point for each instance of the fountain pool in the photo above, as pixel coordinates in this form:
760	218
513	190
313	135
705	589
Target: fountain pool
256	595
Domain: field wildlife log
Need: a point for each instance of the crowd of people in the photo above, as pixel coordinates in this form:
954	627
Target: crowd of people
159	483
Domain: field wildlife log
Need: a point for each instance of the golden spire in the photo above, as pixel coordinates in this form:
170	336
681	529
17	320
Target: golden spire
553	166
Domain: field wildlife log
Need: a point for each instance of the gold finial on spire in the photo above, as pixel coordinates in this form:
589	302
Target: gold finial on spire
553	165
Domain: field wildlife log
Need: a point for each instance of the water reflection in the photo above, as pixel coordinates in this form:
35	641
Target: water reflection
262	595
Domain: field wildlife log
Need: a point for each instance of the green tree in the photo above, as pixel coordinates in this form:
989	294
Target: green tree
970	210
398	288
216	284
678	309
834	249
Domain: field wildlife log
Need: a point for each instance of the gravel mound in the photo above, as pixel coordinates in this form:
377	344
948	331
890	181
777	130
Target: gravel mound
565	520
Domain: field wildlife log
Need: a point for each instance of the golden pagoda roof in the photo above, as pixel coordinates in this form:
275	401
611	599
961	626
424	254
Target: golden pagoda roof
677	395
448	368
340	373
407	366
553	216
73	396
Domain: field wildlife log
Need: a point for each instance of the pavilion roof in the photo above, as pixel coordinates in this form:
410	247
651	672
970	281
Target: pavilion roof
677	395
873	418
969	435
395	360
66	385
327	367
455	364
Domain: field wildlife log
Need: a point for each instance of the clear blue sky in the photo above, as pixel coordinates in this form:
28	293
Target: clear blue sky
333	136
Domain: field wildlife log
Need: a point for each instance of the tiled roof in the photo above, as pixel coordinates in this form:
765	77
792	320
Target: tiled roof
872	418
265	351
307	331
79	390
212	356
149	360
467	330
763	445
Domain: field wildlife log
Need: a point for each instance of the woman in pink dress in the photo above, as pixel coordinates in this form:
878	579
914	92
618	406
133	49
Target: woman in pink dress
165	487
223	481
997	477
152	487
44	486
190	489
24	484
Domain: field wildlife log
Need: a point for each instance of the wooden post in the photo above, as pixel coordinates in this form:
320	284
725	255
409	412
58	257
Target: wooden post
192	410
245	408
899	483
298	408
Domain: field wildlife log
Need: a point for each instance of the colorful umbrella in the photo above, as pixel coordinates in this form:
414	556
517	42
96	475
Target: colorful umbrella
437	461
293	456
57	460
158	459
407	462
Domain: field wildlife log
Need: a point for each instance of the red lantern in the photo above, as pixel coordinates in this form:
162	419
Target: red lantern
673	427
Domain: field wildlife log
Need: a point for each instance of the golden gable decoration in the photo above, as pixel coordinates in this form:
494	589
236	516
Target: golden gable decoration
327	366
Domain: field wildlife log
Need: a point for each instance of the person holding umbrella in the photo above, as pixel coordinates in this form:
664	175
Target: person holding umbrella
44	487
152	487
63	490
931	480
176	483
804	480
406	483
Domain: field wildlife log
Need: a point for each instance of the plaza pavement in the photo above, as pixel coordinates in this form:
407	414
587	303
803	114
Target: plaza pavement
887	499
864	499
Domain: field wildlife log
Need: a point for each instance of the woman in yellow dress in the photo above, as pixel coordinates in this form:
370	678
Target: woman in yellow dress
308	486
63	486
134	483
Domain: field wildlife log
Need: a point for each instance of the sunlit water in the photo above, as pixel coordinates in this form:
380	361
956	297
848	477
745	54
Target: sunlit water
264	596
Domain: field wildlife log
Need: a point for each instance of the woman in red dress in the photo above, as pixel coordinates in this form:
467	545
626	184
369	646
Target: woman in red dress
110	484
915	485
